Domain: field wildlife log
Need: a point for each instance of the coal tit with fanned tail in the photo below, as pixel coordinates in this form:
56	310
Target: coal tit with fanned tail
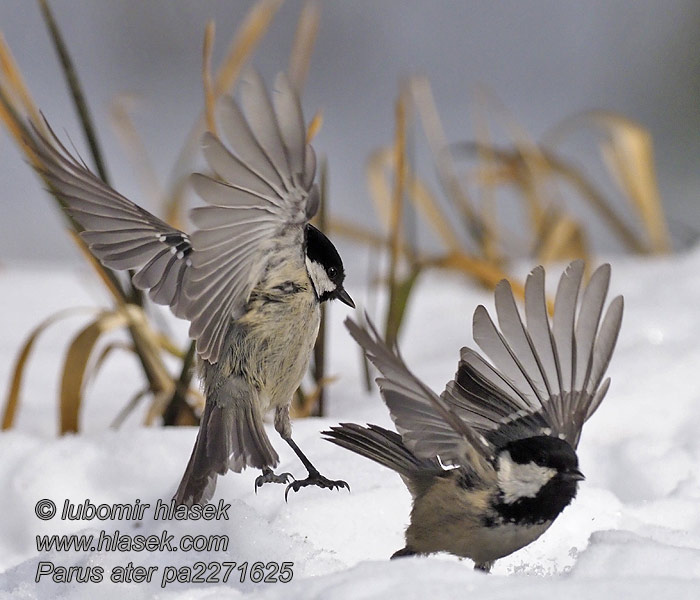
491	462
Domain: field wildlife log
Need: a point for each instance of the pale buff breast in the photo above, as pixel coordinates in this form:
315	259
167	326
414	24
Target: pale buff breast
282	335
447	518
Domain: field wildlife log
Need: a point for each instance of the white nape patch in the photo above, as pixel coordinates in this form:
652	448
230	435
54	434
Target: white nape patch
521	481
319	277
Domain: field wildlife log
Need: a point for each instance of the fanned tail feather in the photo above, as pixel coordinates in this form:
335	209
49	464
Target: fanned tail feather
382	446
229	437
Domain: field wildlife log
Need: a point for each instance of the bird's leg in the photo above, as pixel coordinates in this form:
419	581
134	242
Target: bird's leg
284	428
314	478
268	476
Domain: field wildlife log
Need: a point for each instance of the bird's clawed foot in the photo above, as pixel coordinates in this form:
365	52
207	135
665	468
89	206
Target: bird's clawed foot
268	476
315	478
403	552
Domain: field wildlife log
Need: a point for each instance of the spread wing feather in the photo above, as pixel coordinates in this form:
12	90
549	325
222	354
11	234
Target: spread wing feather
120	234
261	196
545	380
247	217
428	426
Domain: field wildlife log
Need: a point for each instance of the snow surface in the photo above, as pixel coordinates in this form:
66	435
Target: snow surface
632	532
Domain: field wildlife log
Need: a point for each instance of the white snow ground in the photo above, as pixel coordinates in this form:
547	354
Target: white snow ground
633	531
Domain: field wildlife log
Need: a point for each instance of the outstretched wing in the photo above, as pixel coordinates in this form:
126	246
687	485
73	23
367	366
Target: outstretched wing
263	199
119	233
545	378
260	200
428	426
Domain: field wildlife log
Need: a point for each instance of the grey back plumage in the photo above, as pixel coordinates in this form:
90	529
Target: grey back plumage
261	197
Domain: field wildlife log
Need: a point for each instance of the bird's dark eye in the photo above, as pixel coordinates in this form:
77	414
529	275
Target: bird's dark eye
332	272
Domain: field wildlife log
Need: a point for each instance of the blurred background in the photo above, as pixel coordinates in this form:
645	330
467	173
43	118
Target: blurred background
465	142
543	61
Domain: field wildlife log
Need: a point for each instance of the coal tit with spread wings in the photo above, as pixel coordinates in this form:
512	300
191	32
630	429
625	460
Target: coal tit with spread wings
250	278
491	462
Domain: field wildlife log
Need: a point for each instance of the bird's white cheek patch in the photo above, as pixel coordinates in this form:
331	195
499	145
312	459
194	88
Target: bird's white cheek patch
319	277
521	481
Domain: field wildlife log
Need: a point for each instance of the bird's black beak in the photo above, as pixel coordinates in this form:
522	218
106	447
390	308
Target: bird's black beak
574	475
344	297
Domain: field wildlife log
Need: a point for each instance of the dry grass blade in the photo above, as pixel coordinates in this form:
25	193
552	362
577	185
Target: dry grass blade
12	80
378	163
304	39
247	37
437	140
75	366
16	121
357	233
75	89
592	195
483	271
564	239
397	300
130	406
487	192
12	400
177	403
428	205
169	346
122	123
102	358
16	102
509	163
629	155
209	98
532	171
304	405
148	342
161	402
314	126
10	118
107	277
